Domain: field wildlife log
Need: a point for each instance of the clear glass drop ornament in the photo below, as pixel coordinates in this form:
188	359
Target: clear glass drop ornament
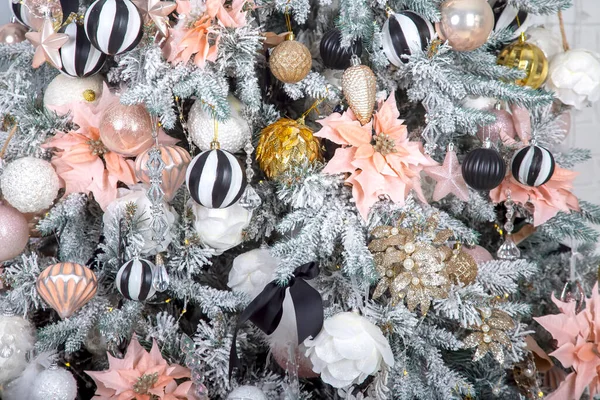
509	250
160	277
250	200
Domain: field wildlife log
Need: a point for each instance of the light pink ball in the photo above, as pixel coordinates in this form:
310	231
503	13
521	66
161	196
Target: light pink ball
14	232
480	254
281	356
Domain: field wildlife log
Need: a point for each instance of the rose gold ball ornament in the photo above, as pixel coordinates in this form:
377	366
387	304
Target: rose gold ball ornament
12	33
282	357
290	61
465	24
503	127
66	287
14	232
176	161
126	130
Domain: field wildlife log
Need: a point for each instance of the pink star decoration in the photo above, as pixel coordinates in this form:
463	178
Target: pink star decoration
449	178
157	11
47	43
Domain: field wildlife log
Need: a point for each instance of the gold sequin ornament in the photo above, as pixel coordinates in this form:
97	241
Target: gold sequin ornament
461	266
490	335
286	144
526	57
290	61
359	86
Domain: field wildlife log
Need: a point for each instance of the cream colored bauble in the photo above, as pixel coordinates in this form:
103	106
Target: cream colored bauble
143	215
233	133
220	228
348	350
65	90
54	384
548	41
16	339
575	77
251	271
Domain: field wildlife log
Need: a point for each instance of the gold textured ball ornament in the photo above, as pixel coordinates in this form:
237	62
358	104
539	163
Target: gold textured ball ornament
359	86
461	267
286	144
526	57
290	61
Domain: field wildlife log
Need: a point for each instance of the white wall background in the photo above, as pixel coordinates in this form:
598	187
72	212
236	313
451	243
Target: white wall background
583	28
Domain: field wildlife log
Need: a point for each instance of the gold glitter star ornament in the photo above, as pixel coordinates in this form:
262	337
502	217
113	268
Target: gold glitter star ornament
47	43
490	335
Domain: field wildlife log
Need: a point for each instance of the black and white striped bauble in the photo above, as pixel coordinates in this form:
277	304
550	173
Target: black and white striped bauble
22	13
507	16
215	179
134	279
113	26
405	33
533	165
79	58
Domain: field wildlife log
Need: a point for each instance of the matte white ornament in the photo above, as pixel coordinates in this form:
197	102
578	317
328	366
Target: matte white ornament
247	392
220	228
348	350
16	339
479	102
575	77
233	133
54	384
548	41
29	184
65	90
251	271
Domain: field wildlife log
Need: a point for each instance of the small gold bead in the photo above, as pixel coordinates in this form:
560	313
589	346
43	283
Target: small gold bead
89	95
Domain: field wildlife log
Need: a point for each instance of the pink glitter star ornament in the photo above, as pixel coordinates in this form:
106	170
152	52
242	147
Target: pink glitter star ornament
449	178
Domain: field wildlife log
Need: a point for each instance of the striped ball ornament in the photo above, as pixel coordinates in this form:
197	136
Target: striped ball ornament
533	165
113	26
507	16
79	58
215	179
22	14
134	279
405	33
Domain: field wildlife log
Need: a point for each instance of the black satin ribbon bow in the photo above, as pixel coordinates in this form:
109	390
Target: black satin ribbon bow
266	309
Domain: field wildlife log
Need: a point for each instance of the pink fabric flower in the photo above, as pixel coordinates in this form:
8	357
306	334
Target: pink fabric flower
146	372
381	163
548	199
578	340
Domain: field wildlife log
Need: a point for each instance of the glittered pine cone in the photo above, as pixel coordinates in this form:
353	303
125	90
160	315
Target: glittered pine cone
359	86
290	61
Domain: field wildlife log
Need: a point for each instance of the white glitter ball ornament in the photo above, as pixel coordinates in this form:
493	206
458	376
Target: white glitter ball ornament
251	271
16	339
233	133
575	77
29	184
247	392
65	90
348	350
54	384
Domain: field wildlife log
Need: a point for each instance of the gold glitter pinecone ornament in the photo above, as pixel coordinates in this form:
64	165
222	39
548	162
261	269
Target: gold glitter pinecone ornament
526	57
461	266
286	144
490	335
290	61
359	86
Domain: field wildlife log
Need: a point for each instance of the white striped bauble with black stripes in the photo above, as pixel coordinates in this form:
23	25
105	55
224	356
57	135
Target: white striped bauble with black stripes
79	58
215	179
134	279
22	13
405	33
507	16
533	165
113	26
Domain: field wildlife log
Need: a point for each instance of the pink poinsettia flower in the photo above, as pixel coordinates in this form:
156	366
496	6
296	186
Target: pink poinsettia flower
578	340
142	375
547	199
378	155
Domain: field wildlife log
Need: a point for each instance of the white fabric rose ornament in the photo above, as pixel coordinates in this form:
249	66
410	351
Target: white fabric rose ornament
348	350
575	77
251	271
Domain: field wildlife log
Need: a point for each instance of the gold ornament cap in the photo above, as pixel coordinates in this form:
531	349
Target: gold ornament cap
359	86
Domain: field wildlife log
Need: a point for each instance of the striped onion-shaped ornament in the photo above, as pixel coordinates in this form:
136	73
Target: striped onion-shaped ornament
113	26
66	287
79	58
176	160
533	165
508	16
134	279
405	33
215	179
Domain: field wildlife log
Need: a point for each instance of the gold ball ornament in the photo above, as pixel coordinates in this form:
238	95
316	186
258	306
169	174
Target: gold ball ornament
290	61
526	57
359	86
286	144
461	267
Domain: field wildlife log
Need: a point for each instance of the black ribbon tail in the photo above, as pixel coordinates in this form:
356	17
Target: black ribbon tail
308	305
68	7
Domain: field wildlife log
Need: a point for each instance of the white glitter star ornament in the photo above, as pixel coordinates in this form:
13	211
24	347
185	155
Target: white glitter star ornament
449	177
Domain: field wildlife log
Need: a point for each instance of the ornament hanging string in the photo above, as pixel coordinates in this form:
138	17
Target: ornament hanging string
311	108
563	32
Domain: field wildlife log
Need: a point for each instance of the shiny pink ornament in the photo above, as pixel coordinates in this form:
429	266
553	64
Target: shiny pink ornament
503	127
12	33
281	356
14	232
176	160
480	254
126	130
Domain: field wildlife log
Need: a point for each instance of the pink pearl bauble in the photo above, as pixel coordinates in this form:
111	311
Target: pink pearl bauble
12	33
126	130
504	124
280	354
478	253
14	232
466	24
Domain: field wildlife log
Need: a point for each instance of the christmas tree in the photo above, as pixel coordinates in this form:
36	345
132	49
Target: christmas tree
293	199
